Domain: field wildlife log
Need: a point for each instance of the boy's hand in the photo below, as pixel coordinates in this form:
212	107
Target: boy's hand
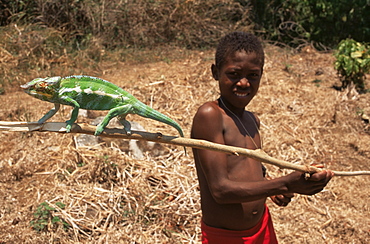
298	183
282	200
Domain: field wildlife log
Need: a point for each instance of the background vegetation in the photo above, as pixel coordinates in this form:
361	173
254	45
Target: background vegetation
38	35
142	23
193	23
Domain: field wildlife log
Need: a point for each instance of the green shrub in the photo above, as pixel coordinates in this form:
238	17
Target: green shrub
43	217
352	63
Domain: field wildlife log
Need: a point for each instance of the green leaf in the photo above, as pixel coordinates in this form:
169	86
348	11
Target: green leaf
55	219
60	205
356	54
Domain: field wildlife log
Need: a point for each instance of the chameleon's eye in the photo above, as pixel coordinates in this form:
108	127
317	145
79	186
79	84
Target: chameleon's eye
42	85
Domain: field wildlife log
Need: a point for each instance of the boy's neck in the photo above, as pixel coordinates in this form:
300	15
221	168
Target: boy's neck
230	108
239	118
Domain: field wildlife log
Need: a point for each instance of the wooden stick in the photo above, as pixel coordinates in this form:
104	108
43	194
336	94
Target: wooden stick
83	128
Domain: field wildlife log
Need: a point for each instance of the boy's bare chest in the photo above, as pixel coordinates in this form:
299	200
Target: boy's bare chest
241	168
244	169
240	133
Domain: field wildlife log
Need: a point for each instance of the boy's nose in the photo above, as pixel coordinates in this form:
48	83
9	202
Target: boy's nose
243	83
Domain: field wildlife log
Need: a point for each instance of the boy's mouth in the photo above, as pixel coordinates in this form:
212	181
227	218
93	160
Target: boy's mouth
241	94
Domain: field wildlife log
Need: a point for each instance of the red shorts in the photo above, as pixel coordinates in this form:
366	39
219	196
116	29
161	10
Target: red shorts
262	233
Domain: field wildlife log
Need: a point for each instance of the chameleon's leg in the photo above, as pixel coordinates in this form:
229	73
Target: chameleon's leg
49	114
125	123
74	114
72	119
125	109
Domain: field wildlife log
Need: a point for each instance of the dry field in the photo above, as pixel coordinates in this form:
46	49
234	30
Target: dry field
102	194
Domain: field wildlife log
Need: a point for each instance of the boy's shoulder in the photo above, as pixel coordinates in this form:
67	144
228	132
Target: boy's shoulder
208	120
209	108
209	111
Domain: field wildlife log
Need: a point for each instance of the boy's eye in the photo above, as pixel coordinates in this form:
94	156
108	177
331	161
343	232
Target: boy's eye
233	74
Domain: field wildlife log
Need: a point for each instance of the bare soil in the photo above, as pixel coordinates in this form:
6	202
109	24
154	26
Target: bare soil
111	197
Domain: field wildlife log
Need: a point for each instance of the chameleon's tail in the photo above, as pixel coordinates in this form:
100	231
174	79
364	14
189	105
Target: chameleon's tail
148	112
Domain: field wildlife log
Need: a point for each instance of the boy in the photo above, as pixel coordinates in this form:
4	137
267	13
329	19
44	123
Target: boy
233	188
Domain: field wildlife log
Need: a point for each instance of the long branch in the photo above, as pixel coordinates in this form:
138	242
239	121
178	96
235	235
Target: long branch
82	128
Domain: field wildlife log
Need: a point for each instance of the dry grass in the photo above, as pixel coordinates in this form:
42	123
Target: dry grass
111	197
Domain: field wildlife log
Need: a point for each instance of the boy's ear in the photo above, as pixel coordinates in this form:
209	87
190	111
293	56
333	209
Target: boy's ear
214	71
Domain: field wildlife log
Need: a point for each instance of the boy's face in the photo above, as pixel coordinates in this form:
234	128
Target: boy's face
239	78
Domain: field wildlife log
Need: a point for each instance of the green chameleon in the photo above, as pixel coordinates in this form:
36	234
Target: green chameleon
92	93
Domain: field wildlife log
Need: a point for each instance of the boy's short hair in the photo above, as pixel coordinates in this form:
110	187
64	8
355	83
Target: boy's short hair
238	41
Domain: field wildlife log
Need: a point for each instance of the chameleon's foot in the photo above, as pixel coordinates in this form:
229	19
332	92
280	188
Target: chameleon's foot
41	121
68	128
128	132
98	131
125	123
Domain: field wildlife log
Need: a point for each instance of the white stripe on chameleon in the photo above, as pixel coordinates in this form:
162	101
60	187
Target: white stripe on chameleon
64	89
100	93
87	91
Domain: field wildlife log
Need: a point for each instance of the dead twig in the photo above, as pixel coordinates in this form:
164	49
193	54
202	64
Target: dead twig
180	141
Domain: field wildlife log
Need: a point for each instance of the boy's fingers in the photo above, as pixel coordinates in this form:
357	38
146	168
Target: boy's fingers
289	195
281	200
286	198
324	175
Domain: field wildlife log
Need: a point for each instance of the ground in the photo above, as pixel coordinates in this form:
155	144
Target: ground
103	195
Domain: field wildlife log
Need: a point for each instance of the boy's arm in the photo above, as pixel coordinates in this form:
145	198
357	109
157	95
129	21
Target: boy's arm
208	125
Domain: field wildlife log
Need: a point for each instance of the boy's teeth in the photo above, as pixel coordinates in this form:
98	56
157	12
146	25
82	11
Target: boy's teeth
241	94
